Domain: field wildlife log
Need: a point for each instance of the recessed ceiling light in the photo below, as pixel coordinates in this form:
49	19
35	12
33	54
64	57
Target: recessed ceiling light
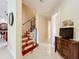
41	0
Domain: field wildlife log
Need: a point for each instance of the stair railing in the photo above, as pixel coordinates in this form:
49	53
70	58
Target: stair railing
31	25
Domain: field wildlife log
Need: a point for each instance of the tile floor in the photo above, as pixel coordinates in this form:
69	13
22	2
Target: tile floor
4	53
44	51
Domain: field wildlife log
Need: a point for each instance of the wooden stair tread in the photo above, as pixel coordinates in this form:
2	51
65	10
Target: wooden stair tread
26	40
24	36
28	44
31	43
28	50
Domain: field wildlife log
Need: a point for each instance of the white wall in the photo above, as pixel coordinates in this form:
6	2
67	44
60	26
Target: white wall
70	10
12	29
42	28
15	31
27	14
19	29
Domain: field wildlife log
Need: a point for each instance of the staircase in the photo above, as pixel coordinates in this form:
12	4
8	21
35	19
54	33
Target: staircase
28	44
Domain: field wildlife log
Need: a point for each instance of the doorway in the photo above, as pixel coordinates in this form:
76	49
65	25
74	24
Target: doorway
3	23
54	28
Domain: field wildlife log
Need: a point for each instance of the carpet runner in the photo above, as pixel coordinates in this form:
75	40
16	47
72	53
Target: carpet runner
28	44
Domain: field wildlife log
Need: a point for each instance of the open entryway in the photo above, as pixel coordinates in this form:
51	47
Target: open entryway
4	52
38	31
3	23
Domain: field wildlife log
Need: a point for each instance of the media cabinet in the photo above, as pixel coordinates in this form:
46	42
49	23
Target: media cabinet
69	49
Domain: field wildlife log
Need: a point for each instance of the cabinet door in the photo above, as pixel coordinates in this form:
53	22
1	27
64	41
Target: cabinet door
75	51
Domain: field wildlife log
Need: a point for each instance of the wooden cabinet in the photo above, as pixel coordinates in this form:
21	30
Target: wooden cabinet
69	49
74	50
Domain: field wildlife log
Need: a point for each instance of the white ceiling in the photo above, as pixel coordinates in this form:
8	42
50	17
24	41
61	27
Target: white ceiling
46	7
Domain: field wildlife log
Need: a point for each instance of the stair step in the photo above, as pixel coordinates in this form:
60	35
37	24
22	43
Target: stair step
26	45
26	40
28	50
24	36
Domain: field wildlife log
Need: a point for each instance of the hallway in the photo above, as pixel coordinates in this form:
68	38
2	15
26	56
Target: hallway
43	51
